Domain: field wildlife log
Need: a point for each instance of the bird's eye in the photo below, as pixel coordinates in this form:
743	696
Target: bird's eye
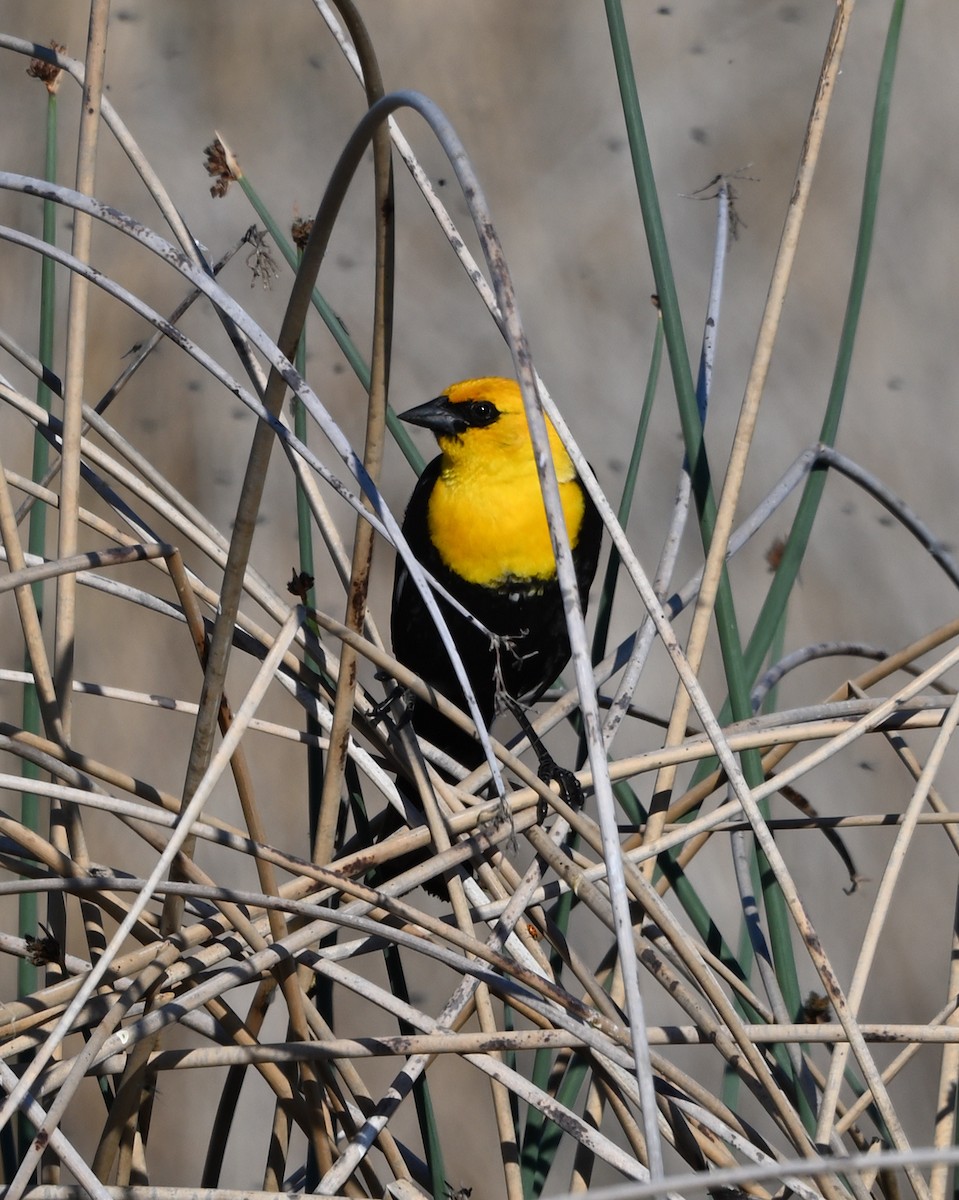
482	412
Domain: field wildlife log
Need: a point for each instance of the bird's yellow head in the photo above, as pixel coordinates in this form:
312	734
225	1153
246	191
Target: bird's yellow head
482	423
486	516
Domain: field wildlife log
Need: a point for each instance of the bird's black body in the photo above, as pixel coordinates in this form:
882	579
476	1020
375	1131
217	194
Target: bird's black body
527	612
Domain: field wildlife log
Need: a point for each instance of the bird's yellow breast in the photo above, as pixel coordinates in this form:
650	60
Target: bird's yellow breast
488	521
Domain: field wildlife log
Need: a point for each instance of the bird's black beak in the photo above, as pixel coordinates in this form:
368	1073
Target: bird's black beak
438	415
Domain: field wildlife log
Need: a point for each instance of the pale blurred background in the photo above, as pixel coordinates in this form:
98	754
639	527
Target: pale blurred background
726	88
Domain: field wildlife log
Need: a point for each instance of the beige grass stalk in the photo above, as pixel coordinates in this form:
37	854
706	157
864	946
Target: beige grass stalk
880	911
29	619
76	352
287	977
749	412
59	1144
894	662
948	1072
65	826
935	1031
949	1065
179	836
362	561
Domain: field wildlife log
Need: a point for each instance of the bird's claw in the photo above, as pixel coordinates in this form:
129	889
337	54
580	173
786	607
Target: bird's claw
380	710
570	789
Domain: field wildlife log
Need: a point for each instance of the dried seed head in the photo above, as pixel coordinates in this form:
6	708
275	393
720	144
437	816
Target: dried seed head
300	231
300	584
774	555
222	165
48	72
41	951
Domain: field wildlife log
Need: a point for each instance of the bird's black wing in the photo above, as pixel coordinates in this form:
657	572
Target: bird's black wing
416	642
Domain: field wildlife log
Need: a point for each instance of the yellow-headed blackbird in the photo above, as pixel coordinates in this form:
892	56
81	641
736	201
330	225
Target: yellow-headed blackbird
477	522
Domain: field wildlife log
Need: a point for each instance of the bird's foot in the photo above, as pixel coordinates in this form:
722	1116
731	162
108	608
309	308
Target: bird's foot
570	789
395	693
548	769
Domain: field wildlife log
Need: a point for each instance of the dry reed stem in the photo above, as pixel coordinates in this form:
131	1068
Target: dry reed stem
499	956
